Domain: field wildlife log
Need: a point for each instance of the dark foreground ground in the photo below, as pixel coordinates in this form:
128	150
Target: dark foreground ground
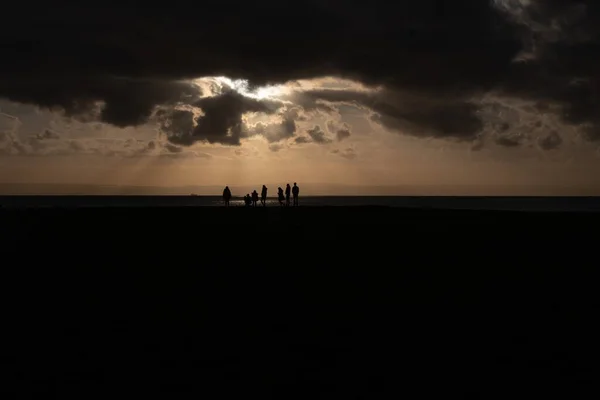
307	303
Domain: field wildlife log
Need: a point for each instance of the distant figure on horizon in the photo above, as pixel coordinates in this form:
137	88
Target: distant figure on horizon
254	198
280	196
247	200
226	196
288	192
295	193
263	196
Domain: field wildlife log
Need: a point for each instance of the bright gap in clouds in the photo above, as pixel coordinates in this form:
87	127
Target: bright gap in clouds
242	87
215	85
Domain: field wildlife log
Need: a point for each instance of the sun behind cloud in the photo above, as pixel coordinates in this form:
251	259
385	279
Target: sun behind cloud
242	86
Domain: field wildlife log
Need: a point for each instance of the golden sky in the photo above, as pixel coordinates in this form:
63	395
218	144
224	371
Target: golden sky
340	143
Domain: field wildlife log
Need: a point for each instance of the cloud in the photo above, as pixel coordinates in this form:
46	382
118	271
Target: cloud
318	136
342	134
171	148
275	147
407	112
9	143
52	143
348	153
302	140
313	135
47	134
341	130
218	119
433	59
41	146
510	142
246	152
284	128
550	142
478	144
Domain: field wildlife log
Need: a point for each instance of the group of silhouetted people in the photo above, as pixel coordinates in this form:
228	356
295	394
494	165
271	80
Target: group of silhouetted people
251	200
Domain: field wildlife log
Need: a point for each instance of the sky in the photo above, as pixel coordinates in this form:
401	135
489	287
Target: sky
498	96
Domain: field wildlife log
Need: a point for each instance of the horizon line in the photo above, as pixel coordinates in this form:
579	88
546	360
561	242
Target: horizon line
304	183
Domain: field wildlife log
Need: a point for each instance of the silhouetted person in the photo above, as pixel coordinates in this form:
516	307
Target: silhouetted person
288	192
226	195
295	193
280	196
263	196
247	200
254	198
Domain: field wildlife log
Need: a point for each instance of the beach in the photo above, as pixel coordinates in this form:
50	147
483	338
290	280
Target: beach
298	302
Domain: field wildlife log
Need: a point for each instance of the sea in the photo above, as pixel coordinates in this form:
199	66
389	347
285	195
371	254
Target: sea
571	204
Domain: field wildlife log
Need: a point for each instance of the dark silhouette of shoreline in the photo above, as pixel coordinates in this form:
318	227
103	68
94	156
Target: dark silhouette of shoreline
528	204
299	301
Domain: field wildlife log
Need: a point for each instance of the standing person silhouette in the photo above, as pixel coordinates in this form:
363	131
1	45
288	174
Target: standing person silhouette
226	196
263	196
288	191
295	193
280	196
254	198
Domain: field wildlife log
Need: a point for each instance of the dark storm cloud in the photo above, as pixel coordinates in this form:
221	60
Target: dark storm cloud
445	51
445	120
565	69
221	121
118	101
406	113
